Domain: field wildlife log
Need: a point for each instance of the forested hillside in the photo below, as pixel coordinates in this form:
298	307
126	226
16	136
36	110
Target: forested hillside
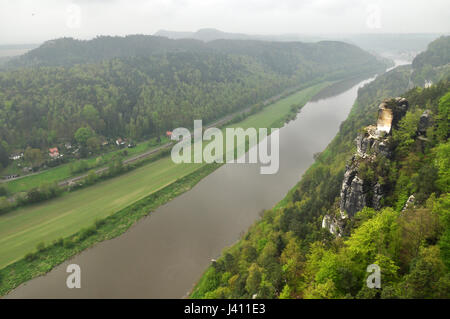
69	51
141	86
380	43
433	64
291	253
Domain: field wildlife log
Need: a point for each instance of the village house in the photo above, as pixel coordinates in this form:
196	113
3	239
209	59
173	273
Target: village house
120	142
15	157
53	152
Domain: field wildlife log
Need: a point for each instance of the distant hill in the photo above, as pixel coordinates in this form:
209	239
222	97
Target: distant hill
69	51
278	55
433	64
437	54
391	42
210	34
204	35
379	43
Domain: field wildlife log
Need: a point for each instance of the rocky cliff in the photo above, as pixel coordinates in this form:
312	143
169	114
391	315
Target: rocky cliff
371	144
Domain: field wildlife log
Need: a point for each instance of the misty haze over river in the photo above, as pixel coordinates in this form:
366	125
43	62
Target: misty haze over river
164	254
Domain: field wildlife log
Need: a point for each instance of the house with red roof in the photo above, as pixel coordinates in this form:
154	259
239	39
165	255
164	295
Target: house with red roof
53	152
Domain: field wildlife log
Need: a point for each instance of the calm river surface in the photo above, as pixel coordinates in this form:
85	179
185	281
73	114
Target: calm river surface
164	254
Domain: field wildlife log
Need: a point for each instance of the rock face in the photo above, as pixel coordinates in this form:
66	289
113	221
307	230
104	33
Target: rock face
424	123
372	143
390	113
331	225
352	193
385	116
377	196
409	203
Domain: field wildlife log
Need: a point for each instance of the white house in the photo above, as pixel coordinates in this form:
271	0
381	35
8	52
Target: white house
15	157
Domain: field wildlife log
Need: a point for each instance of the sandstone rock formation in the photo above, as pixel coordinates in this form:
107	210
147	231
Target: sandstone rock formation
390	112
409	203
385	117
424	123
372	143
352	193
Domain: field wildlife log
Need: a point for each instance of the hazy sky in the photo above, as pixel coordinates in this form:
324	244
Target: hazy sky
33	21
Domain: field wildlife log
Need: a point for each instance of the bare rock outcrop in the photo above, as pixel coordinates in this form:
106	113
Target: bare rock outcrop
373	142
377	196
390	112
424	123
409	203
332	225
352	192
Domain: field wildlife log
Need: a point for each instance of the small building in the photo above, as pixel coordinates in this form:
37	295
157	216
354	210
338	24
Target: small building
15	157
53	152
27	169
120	142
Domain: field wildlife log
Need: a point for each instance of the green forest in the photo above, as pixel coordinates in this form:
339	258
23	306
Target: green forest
137	87
287	254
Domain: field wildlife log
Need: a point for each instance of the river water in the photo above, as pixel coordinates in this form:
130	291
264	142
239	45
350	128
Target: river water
164	254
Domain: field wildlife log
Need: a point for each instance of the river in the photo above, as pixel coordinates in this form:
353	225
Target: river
164	254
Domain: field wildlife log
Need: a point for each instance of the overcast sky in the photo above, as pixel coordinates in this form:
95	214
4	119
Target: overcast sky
34	21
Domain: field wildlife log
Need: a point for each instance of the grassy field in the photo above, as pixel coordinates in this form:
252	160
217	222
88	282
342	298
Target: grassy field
21	230
42	261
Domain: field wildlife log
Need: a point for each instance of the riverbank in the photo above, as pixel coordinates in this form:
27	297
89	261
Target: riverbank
54	222
47	257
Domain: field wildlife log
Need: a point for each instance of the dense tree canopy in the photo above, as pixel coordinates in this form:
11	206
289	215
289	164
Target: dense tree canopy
141	86
4	157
